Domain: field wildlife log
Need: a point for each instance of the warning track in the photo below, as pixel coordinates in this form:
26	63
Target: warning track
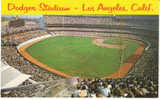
123	70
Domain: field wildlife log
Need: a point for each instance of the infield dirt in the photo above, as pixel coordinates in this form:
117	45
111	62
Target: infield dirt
123	69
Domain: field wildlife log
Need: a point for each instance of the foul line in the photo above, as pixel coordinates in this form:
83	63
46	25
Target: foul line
123	70
131	61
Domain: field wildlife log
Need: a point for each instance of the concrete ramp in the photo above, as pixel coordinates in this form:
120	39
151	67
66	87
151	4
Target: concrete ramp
11	77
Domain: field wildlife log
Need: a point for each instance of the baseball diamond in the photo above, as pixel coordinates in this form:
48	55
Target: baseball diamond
79	56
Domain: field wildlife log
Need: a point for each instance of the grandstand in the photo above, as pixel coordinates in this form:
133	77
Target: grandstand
140	81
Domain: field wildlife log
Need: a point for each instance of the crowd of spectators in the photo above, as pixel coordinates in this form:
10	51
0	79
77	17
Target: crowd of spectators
90	20
11	30
21	92
8	43
11	55
24	36
125	87
147	65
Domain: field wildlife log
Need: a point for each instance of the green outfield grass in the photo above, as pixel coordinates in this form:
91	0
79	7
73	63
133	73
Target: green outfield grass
130	47
77	56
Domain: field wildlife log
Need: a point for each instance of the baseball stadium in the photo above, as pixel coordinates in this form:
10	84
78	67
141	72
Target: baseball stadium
79	56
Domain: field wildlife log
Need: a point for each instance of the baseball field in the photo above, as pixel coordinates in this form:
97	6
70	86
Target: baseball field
82	56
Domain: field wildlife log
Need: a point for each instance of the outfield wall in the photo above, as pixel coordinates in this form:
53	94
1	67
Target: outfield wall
124	68
32	40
